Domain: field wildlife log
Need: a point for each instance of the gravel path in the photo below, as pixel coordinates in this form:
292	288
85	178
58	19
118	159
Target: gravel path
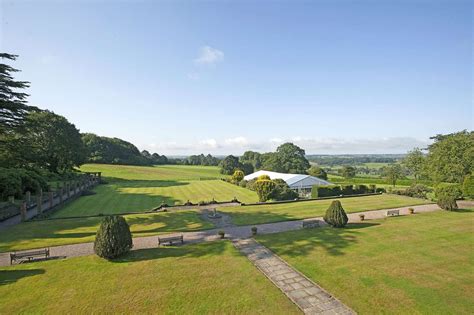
232	232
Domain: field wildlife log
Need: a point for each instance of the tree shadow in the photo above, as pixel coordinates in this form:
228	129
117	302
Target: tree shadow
144	182
256	217
303	242
184	251
11	276
462	211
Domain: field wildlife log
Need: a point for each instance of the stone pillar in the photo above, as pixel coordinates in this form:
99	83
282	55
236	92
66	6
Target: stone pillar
68	190
11	199
61	196
28	197
100	177
23	211
39	203
51	199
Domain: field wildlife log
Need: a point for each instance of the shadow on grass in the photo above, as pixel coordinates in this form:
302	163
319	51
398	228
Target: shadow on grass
193	251
11	276
462	211
303	242
144	182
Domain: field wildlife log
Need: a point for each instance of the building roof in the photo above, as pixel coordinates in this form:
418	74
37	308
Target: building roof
291	179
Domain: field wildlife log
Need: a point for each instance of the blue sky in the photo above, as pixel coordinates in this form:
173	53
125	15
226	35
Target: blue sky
181	77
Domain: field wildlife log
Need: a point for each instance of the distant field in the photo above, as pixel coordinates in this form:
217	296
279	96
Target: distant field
142	188
420	264
46	233
209	278
158	172
307	209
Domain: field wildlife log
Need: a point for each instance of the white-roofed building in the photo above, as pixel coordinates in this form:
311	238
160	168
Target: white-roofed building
299	182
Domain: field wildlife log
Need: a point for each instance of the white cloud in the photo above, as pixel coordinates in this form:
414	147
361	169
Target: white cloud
209	55
209	143
237	141
238	145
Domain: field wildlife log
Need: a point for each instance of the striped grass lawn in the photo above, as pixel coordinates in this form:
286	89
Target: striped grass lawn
157	172
36	234
192	279
143	195
300	210
418	264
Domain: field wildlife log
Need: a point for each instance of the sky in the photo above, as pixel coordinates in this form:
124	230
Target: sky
223	77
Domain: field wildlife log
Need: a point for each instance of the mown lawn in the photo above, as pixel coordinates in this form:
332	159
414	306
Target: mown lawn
157	172
421	264
46	233
194	279
144	195
299	210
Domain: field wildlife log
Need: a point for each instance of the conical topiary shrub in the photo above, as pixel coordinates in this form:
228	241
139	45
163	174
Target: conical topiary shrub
113	238
335	215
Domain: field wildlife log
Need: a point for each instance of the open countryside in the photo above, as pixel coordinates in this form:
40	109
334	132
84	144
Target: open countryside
258	157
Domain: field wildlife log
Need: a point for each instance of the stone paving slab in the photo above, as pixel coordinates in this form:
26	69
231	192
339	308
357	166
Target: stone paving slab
307	295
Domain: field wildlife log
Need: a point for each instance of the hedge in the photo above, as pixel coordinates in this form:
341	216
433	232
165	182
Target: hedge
345	190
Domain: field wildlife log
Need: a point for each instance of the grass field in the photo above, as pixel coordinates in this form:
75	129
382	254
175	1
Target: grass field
421	264
299	210
46	233
142	188
193	279
157	172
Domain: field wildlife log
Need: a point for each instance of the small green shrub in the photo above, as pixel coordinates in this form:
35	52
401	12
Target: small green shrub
264	188
372	188
326	191
238	176
113	238
221	233
335	215
347	189
254	230
468	187
243	183
361	189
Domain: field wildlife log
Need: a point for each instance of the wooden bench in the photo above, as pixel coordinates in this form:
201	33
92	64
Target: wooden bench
392	213
29	255
170	239
310	223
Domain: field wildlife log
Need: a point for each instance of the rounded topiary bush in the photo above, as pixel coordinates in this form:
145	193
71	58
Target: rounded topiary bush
446	197
113	238
335	215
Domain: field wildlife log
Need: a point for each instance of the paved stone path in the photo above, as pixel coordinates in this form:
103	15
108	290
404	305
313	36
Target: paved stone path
233	232
308	296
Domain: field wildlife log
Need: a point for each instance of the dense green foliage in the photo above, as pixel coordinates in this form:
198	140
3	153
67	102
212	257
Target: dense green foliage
414	162
112	151
451	157
230	164
154	158
201	159
253	158
288	158
348	171
282	191
468	187
446	196
393	173
335	215
318	172
13	105
238	176
113	238
264	189
319	191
